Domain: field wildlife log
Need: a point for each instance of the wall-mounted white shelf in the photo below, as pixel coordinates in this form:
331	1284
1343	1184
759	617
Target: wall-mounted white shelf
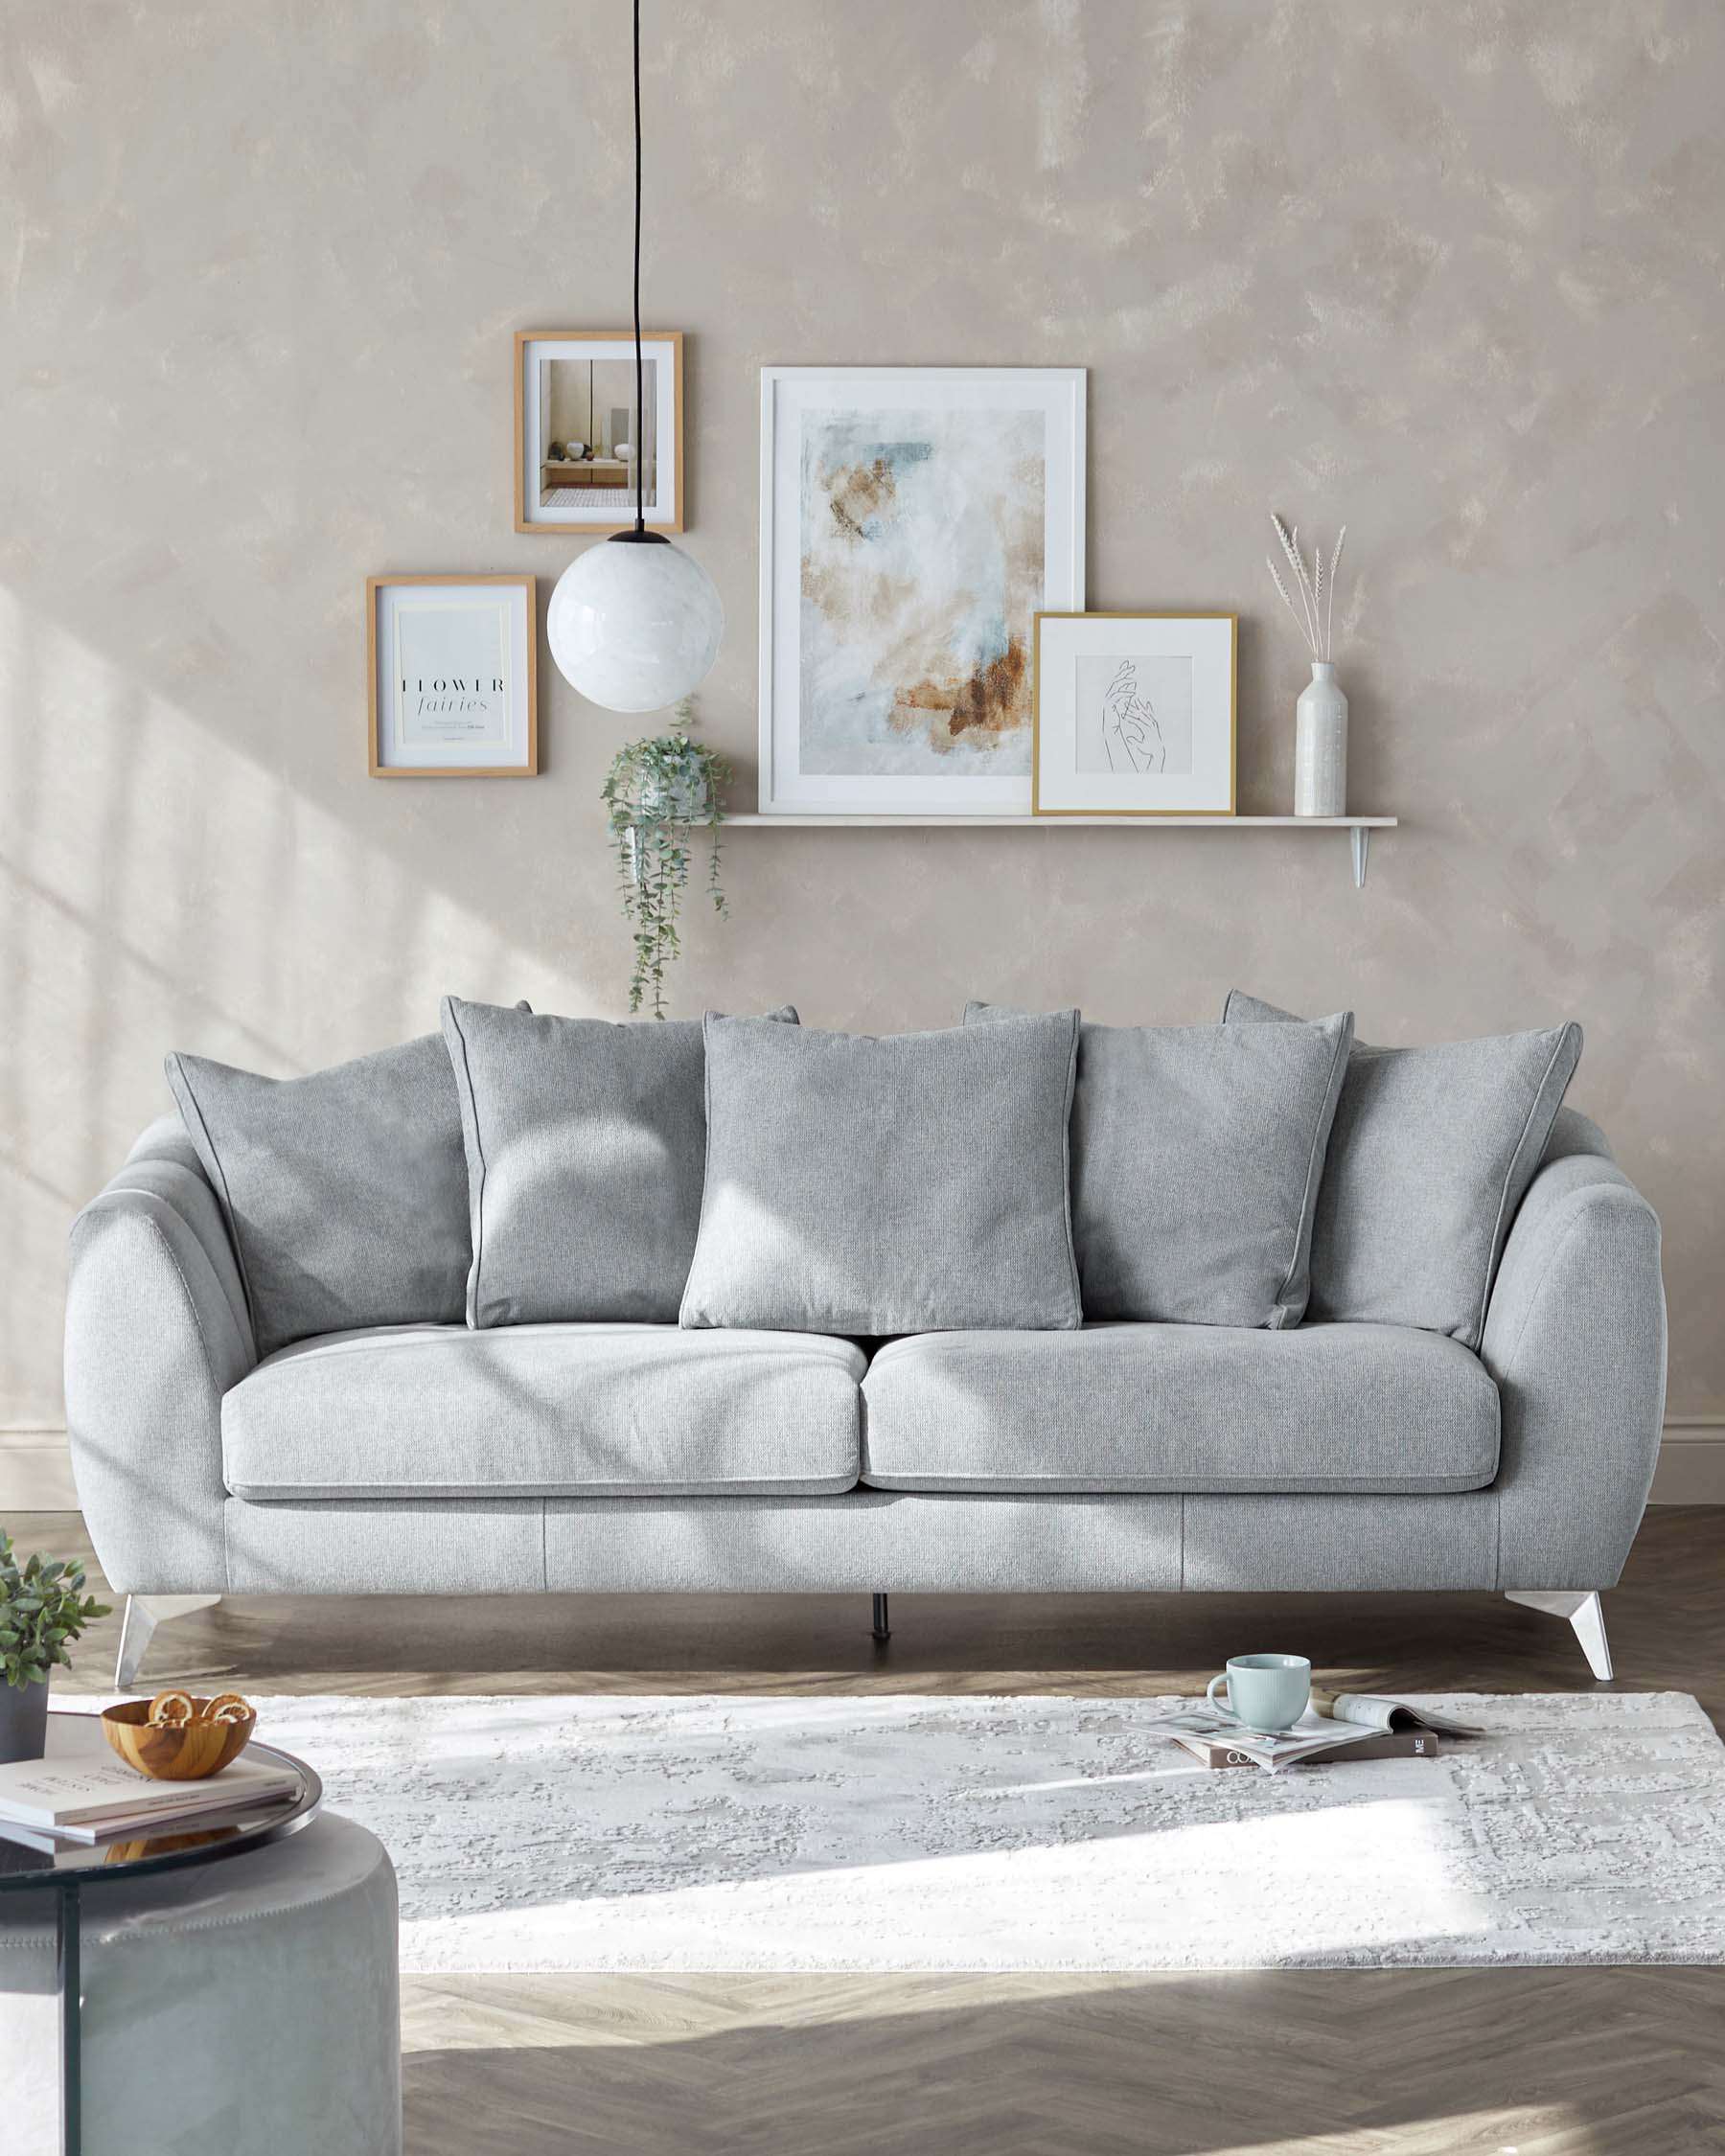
1358	828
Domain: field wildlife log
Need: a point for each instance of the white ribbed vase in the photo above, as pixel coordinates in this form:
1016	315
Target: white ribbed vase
1320	746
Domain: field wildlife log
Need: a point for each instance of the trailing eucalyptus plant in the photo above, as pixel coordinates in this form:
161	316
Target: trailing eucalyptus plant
42	1605
657	790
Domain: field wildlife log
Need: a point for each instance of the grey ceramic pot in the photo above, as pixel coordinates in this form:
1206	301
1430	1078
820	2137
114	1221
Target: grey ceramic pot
23	1721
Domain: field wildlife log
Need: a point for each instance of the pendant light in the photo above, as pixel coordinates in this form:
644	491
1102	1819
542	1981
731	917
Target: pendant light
635	624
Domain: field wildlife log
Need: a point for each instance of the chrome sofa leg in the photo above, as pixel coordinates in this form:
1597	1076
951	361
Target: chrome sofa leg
1584	1611
143	1613
882	1629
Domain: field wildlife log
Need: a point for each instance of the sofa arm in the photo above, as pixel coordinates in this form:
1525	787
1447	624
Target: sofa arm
1575	1338
157	1332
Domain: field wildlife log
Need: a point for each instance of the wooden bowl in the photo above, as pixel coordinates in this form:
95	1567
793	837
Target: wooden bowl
182	1752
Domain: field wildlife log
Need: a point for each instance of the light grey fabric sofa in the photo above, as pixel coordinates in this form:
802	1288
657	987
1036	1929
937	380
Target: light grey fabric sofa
581	1457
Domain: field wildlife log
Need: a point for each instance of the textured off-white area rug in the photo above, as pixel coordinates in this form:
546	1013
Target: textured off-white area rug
889	1833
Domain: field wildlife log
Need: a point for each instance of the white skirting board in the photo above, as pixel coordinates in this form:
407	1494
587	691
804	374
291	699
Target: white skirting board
35	1473
35	1469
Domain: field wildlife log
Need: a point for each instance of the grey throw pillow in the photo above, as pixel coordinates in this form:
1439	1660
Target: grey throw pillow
586	1144
1431	1153
1197	1157
345	1193
916	1183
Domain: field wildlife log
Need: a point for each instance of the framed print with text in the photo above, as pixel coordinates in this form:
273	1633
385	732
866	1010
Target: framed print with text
915	520
452	667
579	439
1135	715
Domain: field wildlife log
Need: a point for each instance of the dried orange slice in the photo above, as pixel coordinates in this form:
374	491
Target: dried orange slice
173	1709
226	1707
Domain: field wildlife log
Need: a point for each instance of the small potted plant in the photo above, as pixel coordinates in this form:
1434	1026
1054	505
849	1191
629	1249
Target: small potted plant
656	791
42	1606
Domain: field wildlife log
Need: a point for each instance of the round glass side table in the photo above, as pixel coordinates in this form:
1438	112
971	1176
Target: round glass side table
70	1872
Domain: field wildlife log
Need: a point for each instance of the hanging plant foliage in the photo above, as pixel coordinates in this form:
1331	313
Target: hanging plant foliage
657	793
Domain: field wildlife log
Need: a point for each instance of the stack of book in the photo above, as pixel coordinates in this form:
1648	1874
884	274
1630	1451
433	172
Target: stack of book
54	1803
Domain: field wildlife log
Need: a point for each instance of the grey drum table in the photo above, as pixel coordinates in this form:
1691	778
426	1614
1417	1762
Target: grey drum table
72	1872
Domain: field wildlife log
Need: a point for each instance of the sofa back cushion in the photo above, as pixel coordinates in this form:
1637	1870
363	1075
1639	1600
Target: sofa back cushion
1197	1157
1432	1151
586	1143
344	1193
915	1183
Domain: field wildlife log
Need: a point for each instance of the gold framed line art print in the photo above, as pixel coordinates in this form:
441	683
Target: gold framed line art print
1133	715
452	676
579	441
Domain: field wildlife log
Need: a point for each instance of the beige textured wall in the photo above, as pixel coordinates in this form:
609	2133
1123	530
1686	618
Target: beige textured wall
1450	271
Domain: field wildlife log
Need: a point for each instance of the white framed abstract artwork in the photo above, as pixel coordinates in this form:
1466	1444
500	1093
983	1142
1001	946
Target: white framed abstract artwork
451	664
915	521
1133	715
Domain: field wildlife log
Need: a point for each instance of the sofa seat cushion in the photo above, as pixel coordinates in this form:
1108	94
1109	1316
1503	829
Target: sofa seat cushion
545	1411
1186	1407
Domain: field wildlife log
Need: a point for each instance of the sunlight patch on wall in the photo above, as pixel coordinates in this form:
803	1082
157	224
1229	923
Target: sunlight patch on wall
160	887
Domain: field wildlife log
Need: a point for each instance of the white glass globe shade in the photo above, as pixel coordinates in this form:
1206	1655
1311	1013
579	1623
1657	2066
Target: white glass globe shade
634	626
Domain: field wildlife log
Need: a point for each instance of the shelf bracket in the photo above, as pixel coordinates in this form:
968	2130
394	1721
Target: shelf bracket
1361	835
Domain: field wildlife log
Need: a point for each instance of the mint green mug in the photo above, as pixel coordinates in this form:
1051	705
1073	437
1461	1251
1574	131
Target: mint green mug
1266	1692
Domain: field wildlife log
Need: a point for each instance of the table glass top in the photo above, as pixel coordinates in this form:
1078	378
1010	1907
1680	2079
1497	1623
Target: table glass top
80	1736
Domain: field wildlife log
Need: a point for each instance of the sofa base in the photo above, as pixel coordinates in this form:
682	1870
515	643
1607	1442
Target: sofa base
870	1541
144	1612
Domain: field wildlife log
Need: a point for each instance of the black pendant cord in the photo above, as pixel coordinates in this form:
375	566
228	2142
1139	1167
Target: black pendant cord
640	522
640	533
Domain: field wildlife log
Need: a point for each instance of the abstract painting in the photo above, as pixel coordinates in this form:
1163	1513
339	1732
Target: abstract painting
1134	714
922	571
917	521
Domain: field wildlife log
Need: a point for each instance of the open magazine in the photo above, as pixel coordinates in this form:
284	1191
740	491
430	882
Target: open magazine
1335	1723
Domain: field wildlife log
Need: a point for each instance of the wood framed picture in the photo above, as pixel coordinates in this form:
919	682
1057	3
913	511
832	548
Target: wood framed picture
915	520
579	439
1135	715
451	664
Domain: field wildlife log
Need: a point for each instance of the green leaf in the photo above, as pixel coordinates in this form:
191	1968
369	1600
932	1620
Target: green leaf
42	1609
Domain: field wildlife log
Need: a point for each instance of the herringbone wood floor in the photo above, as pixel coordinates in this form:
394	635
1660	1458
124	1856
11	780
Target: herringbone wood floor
1542	2062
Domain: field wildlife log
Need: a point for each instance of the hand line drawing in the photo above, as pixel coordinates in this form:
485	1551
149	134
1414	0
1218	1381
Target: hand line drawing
1132	736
